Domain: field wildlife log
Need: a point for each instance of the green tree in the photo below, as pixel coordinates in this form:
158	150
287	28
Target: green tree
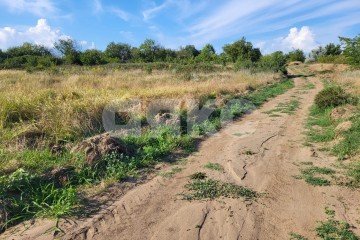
275	61
69	50
92	57
118	52
332	50
296	55
28	49
2	56
241	49
149	51
187	52
207	54
352	50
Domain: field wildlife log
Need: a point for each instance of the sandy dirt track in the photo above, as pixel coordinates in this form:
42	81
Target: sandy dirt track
155	210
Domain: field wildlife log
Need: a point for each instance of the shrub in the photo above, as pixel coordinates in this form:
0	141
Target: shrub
92	57
339	59
352	50
274	62
332	96
296	55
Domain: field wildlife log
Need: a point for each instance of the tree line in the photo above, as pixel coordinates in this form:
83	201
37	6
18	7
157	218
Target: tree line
241	53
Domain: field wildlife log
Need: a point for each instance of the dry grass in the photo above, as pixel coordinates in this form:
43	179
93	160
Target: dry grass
350	80
68	106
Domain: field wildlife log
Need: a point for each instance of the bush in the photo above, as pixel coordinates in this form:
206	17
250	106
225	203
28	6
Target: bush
332	96
296	55
92	57
274	62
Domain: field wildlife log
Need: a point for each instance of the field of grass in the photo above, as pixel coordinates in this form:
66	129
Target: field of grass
43	115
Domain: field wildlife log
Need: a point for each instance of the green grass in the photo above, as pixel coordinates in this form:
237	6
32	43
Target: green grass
214	166
212	189
288	107
310	175
295	236
332	229
262	95
350	145
321	128
171	173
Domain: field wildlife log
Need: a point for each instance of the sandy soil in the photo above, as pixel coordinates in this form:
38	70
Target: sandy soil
155	209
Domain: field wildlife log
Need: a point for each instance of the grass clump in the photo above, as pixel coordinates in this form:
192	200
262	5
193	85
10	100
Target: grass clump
25	196
212	189
310	175
295	236
288	107
198	176
332	96
171	173
332	229
214	166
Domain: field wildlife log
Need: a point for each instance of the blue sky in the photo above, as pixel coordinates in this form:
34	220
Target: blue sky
269	24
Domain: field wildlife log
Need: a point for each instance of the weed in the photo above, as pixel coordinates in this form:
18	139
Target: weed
295	236
332	229
211	189
309	175
171	173
198	176
214	166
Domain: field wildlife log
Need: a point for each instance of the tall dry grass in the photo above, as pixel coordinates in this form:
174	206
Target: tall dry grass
66	107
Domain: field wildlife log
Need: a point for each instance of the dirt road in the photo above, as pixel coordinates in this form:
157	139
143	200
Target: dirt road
262	152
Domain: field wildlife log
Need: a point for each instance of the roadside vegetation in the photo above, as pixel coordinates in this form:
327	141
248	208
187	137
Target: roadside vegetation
334	126
48	119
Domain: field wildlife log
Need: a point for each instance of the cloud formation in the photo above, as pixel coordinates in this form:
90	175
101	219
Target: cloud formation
37	7
41	34
302	39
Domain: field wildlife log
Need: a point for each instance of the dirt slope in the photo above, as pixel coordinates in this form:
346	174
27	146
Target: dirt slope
155	210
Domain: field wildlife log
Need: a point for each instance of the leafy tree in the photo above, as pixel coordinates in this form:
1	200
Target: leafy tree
118	52
28	49
188	52
92	57
149	51
352	50
332	50
243	50
207	54
275	62
296	55
69	49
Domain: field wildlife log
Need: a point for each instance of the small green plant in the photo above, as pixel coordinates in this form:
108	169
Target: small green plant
171	173
332	229
295	236
198	176
214	166
211	189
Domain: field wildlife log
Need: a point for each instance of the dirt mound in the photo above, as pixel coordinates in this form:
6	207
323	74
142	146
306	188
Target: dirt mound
96	147
343	112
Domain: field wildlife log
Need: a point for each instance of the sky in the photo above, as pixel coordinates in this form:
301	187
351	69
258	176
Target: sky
270	25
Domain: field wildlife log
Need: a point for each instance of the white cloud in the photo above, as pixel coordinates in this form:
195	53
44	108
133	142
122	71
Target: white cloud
36	7
41	34
121	14
97	6
303	39
151	12
86	45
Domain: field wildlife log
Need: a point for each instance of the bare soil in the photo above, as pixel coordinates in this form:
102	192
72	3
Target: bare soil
156	210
